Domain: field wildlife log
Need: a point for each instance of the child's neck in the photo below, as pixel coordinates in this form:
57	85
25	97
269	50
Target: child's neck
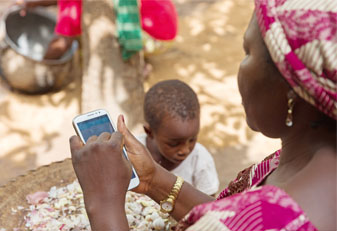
158	157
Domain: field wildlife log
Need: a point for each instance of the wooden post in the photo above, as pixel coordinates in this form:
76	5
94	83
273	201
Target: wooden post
109	82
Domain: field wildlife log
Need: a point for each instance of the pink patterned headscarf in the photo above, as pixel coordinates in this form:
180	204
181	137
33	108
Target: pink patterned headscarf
301	36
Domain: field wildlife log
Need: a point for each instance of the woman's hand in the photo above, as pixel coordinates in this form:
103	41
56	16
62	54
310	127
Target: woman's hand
140	157
100	166
104	175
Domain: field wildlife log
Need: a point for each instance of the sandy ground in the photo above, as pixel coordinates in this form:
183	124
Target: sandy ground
34	130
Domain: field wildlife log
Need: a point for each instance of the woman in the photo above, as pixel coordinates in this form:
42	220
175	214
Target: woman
288	86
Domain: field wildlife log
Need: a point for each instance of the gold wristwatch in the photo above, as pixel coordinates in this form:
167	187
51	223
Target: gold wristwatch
167	205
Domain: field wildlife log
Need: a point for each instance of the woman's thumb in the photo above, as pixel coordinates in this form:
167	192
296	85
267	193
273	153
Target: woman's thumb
129	139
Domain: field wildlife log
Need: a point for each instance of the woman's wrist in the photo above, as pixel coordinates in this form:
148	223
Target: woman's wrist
161	184
188	196
107	214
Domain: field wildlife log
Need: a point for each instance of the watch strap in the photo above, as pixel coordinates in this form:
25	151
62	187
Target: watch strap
174	192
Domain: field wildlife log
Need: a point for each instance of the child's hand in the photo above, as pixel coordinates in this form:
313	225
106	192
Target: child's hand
58	46
140	157
21	3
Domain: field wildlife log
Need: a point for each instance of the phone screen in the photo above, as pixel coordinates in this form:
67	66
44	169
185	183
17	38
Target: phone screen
97	126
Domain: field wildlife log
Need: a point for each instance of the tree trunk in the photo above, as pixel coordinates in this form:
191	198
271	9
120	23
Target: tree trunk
108	81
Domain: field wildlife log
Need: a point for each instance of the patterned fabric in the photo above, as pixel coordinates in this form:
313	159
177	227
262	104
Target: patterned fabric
264	208
128	27
69	17
257	208
254	175
301	36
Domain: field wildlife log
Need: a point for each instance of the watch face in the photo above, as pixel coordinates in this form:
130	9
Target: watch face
167	206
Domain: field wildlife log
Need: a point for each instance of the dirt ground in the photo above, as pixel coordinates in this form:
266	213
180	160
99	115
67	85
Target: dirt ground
34	130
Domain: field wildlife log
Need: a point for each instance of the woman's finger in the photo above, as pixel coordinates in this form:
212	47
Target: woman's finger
75	145
105	136
91	139
129	139
117	138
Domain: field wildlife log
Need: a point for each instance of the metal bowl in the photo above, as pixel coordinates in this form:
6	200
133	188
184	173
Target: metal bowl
23	46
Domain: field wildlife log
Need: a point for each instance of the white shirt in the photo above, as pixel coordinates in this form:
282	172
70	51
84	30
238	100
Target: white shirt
198	168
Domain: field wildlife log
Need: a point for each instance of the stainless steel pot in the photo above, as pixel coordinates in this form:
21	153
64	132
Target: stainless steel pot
23	45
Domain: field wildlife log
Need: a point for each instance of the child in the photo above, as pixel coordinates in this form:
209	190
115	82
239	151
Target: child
172	115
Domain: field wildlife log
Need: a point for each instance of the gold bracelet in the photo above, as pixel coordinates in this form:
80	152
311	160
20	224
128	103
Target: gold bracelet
167	205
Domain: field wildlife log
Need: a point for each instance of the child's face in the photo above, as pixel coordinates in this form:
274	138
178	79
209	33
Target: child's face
176	138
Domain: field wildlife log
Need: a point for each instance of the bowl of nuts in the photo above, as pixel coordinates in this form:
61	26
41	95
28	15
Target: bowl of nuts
50	198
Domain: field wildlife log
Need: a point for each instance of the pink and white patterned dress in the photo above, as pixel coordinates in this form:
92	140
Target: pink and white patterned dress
256	208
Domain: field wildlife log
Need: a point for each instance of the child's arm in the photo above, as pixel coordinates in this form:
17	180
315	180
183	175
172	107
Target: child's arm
25	4
35	3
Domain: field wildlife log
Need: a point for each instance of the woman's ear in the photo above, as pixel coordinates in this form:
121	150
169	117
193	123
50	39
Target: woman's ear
148	130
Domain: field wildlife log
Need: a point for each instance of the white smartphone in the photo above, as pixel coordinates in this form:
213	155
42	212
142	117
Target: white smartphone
95	123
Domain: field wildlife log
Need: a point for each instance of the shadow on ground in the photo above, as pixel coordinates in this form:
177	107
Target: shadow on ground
34	130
